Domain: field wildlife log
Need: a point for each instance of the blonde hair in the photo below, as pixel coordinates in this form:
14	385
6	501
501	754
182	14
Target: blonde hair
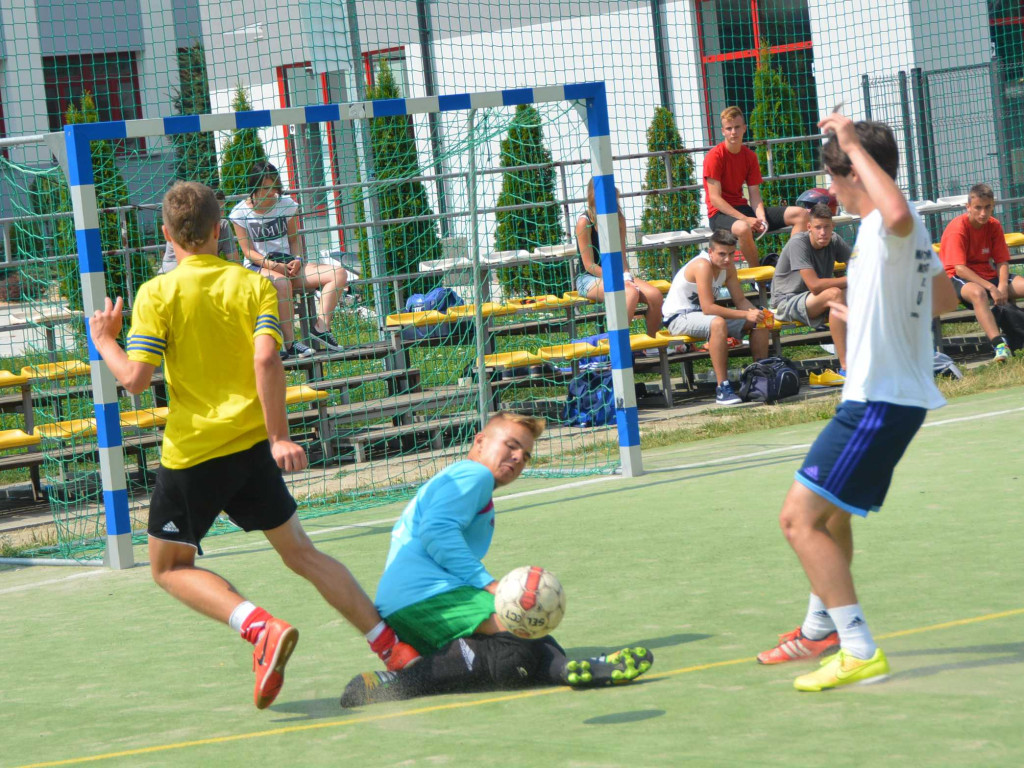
730	112
534	424
190	211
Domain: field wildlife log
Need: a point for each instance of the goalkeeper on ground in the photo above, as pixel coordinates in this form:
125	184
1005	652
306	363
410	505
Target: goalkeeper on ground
439	597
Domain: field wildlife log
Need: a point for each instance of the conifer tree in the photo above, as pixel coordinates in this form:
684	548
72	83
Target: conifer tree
395	158
240	152
111	192
672	211
526	228
195	154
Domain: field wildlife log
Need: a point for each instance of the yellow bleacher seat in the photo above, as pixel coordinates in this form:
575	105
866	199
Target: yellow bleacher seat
65	430
63	370
756	274
539	302
661	285
428	317
575	351
935	247
516	359
17	438
8	379
1014	239
145	418
664	333
303	394
638	341
573	297
839	266
487	309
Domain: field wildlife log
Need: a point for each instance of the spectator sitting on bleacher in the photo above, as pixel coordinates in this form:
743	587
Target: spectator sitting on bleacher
589	283
267	228
727	168
690	309
803	284
973	251
227	248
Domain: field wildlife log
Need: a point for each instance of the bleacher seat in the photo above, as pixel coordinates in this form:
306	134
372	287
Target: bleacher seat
427	317
487	309
145	418
69	429
303	394
573	351
518	358
756	274
8	379
1014	239
17	438
52	371
661	285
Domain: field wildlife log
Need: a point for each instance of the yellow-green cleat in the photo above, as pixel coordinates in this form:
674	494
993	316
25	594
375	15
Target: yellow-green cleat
844	669
615	668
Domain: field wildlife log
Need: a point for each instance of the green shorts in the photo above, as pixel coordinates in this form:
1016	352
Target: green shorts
431	624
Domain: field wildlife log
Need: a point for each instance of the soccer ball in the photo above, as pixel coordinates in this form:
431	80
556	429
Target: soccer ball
529	601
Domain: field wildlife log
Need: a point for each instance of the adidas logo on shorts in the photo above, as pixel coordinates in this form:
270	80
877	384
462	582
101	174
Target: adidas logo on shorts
170	527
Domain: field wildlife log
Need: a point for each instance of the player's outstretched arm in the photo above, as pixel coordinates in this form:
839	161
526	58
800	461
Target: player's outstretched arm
881	187
104	327
270	387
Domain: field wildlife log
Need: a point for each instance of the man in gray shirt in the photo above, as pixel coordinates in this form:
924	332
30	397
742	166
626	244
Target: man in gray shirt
803	285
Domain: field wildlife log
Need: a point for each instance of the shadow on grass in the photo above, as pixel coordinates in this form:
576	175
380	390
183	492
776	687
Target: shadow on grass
653	643
998	655
625	717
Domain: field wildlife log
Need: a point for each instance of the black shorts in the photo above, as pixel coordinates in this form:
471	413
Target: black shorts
776	215
958	286
247	485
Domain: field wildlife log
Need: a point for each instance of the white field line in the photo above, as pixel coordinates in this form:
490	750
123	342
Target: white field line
538	491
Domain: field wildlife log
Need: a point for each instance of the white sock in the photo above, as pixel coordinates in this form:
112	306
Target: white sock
374	633
240	614
817	623
854	636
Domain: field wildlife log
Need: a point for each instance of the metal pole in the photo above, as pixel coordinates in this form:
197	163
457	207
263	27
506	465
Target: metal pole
661	53
483	385
1002	156
908	136
612	260
865	84
923	117
429	84
110	448
364	151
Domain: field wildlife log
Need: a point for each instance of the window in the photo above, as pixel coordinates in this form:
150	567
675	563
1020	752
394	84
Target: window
395	58
731	33
111	78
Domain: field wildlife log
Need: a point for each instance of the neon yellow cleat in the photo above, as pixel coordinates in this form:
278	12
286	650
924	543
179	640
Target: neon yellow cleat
827	378
844	669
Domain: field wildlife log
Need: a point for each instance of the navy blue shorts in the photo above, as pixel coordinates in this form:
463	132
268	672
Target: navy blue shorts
852	461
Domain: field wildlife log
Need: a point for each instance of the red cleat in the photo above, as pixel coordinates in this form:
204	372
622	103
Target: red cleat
793	646
274	647
399	656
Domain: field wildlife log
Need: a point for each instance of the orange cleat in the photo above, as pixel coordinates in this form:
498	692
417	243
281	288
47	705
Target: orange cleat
399	656
793	646
274	647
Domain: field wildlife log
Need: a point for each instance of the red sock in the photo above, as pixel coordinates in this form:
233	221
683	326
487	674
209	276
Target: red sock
384	641
254	624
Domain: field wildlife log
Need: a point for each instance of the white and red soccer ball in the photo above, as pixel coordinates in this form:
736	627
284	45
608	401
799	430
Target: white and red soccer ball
529	601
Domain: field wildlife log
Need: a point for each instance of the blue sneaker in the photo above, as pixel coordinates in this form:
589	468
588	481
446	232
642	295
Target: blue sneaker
725	395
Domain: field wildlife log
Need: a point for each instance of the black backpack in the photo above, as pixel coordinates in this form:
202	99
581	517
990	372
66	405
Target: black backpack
769	380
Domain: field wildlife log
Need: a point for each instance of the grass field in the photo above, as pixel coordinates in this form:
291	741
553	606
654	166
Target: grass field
102	668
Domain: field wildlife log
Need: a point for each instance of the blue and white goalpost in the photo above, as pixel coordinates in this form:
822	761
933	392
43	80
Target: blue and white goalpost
90	258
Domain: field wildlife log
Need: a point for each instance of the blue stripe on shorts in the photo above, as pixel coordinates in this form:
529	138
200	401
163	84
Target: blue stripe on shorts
852	461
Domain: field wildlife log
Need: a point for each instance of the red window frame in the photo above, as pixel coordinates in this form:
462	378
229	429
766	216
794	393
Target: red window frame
3	128
750	53
67	78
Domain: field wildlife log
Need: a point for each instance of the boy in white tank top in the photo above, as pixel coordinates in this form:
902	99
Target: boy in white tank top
896	285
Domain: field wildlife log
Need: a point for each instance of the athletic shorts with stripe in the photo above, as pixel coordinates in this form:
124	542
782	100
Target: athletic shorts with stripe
248	486
852	461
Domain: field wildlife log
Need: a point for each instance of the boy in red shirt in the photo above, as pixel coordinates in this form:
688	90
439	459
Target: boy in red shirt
727	168
974	253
